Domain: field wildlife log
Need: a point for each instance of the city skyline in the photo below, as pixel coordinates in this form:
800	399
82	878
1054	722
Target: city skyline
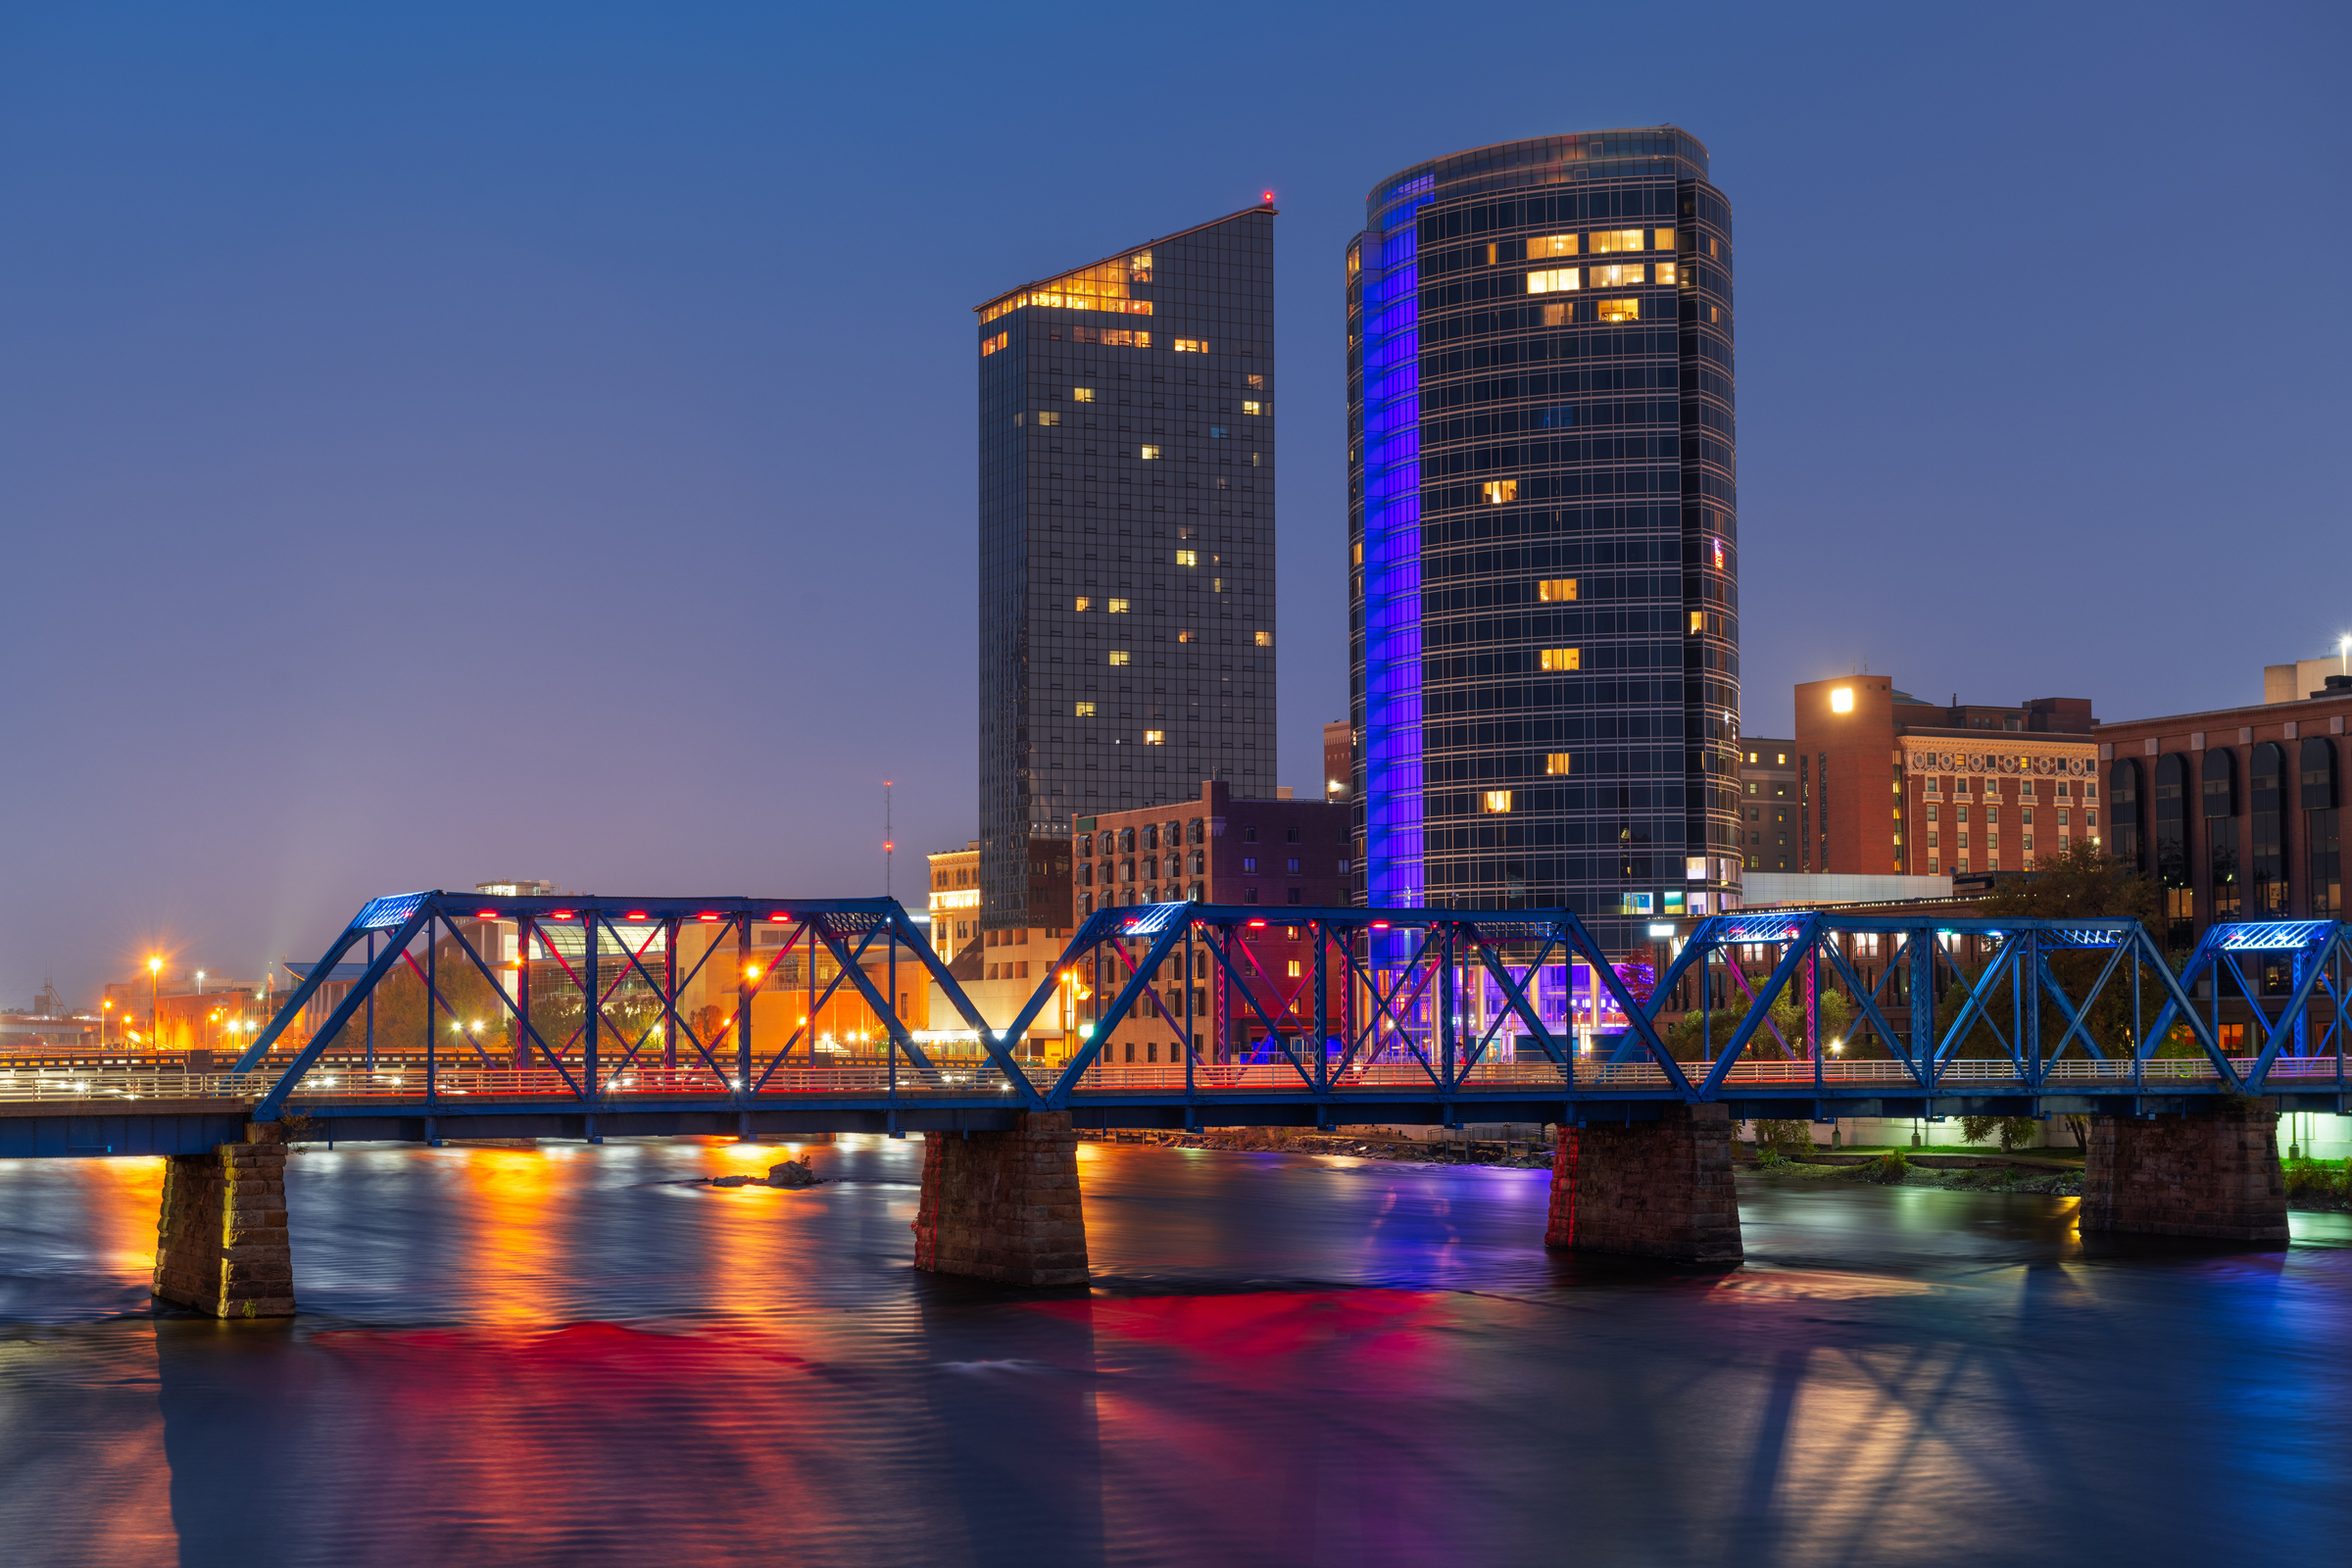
375	465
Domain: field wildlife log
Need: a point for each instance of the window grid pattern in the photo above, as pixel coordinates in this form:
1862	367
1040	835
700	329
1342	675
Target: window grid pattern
1072	516
1613	443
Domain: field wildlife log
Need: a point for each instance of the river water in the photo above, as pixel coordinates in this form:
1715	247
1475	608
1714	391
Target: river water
565	1355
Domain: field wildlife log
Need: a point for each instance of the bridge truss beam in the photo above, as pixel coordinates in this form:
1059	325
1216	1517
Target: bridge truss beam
1434	1009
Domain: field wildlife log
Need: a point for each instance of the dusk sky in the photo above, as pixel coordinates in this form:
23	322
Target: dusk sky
448	442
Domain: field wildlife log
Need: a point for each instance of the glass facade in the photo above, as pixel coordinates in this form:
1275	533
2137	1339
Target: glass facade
1543	541
1127	602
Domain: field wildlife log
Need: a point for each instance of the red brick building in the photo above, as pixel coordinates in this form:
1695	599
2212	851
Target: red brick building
2234	811
1889	785
1281	853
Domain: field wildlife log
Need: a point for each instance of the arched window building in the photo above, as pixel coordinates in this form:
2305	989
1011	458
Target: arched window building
2263	847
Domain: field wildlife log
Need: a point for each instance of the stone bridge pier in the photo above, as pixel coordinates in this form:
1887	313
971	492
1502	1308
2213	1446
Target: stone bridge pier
1004	1205
1652	1189
221	1242
2207	1173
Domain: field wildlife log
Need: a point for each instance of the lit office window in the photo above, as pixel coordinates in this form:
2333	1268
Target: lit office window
1151	454
1619	311
1563	659
1082	394
1117	607
1156	737
1082	604
1556	763
1495	802
1118	655
1619	276
1557	591
1554	281
1083	710
1497	491
1264	639
1188	558
1551	245
1611	240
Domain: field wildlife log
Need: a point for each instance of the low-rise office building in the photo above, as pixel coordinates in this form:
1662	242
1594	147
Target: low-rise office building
1889	785
1769	841
1281	853
2234	811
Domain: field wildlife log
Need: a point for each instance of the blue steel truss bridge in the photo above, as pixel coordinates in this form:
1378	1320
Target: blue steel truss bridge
643	1024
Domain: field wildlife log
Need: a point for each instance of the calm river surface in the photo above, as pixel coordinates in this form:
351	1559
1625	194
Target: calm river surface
562	1355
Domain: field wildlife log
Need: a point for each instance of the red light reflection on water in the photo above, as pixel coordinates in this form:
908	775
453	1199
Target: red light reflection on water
1277	1325
1230	1398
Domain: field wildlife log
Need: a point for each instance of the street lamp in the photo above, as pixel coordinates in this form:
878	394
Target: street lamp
155	1013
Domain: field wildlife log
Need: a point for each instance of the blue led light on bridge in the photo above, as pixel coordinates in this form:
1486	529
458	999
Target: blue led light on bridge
2272	936
394	910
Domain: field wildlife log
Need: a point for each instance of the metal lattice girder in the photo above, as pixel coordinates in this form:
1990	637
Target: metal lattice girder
401	917
2314	945
1382	993
1810	941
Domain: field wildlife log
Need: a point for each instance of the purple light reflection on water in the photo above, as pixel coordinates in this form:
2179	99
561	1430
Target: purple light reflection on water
521	1355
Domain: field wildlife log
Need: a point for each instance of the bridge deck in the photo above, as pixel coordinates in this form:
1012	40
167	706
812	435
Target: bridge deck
166	1113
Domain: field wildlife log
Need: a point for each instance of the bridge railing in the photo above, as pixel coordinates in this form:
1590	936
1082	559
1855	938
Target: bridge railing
84	1086
865	1080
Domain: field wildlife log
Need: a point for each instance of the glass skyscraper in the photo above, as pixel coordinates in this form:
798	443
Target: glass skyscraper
1126	547
1542	535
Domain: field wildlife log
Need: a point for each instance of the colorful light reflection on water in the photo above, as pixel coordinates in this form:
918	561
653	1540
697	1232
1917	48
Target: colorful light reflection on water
569	1355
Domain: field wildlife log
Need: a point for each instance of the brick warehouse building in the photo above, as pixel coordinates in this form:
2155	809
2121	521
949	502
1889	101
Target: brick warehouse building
2234	811
1889	785
1216	849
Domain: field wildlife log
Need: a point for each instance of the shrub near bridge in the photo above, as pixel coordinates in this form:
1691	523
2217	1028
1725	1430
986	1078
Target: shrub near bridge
1777	1141
1888	1170
2318	1183
2014	1132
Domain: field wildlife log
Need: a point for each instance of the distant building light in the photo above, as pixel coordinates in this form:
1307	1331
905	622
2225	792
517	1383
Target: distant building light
1841	701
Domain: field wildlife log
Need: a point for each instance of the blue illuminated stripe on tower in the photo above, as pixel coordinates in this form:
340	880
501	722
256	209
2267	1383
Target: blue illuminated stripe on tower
1392	377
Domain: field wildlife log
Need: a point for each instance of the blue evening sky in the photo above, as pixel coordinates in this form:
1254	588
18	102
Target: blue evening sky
441	441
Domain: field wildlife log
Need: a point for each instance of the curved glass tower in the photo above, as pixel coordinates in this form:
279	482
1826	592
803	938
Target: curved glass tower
1542	535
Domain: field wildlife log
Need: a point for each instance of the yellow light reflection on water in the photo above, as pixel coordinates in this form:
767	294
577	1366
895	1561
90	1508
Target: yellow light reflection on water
126	1197
517	1252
